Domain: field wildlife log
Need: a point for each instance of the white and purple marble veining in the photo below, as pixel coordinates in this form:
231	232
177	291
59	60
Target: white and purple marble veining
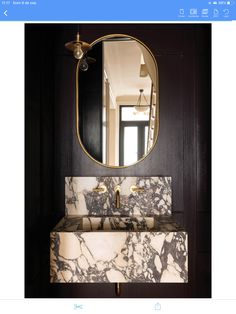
119	257
138	242
80	199
105	223
117	223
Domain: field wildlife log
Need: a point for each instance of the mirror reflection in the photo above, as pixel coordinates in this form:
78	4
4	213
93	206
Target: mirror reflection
117	101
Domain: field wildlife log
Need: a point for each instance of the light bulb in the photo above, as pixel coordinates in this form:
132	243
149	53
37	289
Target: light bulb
141	108
83	65
78	52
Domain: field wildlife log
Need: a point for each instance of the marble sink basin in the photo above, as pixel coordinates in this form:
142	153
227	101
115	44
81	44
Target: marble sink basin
117	223
106	223
118	249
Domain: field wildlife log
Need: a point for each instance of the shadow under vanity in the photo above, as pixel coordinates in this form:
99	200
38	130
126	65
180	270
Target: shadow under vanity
130	239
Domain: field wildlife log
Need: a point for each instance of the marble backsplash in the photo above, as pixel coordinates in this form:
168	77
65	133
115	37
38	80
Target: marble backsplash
81	199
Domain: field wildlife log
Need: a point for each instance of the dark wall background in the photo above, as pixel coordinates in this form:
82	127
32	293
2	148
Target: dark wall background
91	104
52	151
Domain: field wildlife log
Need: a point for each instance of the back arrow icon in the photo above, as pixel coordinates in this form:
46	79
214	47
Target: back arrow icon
5	13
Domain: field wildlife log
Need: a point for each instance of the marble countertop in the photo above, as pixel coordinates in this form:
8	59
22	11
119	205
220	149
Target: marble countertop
162	223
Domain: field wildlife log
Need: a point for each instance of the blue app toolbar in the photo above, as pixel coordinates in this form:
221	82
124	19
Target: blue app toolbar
122	10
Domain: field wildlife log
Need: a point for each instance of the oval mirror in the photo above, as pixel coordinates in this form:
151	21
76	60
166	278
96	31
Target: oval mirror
117	101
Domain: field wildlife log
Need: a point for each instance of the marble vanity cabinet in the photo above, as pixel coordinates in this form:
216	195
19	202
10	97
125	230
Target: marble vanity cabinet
138	242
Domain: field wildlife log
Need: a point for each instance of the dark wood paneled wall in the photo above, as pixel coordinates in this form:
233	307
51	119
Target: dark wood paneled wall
183	150
91	104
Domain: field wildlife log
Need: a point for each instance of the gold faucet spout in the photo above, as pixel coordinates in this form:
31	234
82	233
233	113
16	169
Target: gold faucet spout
117	191
117	199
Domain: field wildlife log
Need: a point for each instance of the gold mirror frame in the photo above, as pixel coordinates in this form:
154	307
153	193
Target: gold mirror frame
157	119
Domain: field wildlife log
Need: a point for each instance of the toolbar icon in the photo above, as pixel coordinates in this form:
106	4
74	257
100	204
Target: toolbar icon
204	11
157	307
181	11
193	11
226	12
216	13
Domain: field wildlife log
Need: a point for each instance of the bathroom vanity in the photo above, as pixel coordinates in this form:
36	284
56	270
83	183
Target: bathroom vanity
137	242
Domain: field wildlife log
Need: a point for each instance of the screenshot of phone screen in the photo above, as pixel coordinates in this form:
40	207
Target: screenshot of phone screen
117	156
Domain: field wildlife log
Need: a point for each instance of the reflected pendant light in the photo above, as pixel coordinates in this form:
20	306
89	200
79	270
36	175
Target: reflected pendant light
139	107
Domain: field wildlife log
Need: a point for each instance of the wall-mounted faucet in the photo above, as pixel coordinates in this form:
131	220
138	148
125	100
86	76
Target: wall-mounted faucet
100	189
135	188
117	196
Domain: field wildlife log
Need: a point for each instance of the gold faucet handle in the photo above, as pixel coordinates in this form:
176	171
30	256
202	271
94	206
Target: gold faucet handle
117	188
100	189
135	188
